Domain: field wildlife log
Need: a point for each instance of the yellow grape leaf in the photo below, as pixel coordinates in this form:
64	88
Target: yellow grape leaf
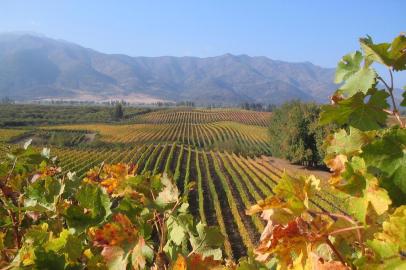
282	240
180	263
197	262
312	261
114	233
378	197
111	176
337	166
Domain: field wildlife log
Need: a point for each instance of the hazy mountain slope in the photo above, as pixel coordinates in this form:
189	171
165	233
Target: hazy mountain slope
36	67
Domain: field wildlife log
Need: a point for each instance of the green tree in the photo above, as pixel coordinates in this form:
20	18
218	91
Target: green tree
295	134
118	111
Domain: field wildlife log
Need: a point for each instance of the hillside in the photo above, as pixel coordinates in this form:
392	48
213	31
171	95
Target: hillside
35	67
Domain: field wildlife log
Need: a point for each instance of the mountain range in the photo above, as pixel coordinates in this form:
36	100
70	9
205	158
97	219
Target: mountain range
34	67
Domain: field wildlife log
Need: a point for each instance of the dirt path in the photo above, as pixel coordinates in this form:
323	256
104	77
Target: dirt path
295	169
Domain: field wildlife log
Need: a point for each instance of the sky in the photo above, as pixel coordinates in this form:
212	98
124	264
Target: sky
317	31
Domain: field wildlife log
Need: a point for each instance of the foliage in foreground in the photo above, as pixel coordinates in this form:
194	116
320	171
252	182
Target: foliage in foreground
368	162
111	219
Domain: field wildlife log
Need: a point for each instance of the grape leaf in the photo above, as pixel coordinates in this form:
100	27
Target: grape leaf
358	208
388	155
347	66
377	196
282	240
169	194
49	260
356	113
389	54
141	253
208	241
180	263
404	97
296	191
118	232
348	144
361	81
354	176
115	258
94	207
389	244
357	182
176	232
197	262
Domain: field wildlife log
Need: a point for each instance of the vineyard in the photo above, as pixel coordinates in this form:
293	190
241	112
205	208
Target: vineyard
186	144
230	136
206	116
226	184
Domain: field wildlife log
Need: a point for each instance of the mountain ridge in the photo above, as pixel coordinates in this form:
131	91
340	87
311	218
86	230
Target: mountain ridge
36	67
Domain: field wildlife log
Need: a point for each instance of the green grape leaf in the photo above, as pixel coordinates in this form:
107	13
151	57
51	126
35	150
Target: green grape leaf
389	244
169	194
56	244
115	258
389	54
347	66
383	249
49	260
354	175
358	208
172	250
291	189
296	191
140	254
356	113
361	81
403	103
176	231
37	234
208	242
66	243
94	207
364	186
388	155
348	144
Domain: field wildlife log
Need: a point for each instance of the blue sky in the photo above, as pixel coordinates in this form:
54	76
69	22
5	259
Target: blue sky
316	31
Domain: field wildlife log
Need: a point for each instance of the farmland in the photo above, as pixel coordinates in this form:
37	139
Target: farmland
226	184
222	151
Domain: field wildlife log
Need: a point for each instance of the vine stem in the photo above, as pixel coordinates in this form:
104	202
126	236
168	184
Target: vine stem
390	90
331	245
336	252
346	229
350	220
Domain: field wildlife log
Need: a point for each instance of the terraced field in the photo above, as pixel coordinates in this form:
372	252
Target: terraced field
206	116
218	135
6	134
183	143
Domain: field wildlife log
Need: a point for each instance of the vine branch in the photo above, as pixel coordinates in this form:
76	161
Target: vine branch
390	89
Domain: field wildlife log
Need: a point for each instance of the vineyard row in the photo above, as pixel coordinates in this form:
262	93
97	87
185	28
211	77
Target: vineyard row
226	184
